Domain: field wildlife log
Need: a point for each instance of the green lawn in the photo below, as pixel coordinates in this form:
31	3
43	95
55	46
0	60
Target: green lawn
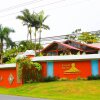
59	90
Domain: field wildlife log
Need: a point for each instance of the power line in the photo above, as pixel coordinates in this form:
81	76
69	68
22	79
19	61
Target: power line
45	6
48	40
35	7
19	5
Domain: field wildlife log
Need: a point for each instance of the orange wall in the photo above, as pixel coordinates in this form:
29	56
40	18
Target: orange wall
44	69
4	73
84	68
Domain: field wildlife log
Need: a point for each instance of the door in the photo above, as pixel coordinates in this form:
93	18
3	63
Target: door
94	67
50	69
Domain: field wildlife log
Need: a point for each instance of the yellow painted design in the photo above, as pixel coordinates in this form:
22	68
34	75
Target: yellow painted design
65	66
73	69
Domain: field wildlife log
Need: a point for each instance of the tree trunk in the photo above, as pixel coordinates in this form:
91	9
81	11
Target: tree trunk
30	31
35	42
40	41
1	52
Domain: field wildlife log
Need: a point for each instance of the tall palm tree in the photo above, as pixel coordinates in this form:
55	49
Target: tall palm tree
34	22
4	36
26	18
41	25
31	20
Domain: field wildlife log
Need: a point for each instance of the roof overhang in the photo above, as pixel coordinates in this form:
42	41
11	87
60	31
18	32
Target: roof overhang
66	58
7	65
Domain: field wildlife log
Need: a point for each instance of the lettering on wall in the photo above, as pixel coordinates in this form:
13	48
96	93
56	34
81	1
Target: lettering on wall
1	78
70	68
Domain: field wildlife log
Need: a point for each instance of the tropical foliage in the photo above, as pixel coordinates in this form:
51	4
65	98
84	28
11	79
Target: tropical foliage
11	53
41	25
87	37
35	20
26	17
4	38
28	45
28	70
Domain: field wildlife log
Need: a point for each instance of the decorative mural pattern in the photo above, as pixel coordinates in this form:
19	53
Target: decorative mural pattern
70	68
10	79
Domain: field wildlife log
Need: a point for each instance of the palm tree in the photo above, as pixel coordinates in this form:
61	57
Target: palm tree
4	36
31	20
34	22
26	18
41	25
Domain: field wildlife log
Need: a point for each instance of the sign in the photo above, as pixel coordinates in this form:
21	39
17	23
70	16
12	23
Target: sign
70	68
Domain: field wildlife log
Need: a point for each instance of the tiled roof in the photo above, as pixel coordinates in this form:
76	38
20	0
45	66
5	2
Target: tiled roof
65	45
96	45
89	45
69	46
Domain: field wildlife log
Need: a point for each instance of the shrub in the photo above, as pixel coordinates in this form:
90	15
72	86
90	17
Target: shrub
49	79
63	79
28	70
30	81
97	77
12	60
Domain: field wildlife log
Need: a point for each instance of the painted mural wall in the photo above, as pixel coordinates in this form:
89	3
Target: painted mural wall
71	69
8	78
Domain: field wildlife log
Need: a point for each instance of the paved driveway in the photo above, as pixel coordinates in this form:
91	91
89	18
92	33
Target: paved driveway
7	97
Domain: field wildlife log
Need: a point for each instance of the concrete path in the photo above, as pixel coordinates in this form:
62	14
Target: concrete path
7	97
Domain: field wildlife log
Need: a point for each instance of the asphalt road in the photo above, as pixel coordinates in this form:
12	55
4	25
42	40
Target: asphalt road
7	97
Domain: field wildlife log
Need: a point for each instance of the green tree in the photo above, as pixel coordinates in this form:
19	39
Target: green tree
35	20
27	45
74	34
77	31
4	37
31	20
26	18
34	23
41	25
87	37
9	55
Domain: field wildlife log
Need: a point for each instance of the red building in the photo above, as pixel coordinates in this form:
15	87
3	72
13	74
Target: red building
75	60
69	47
70	66
70	59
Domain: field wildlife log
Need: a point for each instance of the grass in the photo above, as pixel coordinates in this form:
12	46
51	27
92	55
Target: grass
58	90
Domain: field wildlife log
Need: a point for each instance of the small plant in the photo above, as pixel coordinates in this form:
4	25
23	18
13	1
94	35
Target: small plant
29	81
63	79
97	77
79	78
49	79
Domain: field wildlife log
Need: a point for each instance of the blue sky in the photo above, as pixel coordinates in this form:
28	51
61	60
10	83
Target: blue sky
64	16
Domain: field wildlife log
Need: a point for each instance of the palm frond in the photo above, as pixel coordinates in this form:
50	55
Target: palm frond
46	27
